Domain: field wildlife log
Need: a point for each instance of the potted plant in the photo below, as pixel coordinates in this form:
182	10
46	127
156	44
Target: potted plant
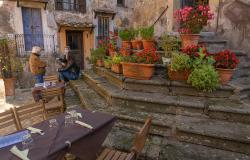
147	34
97	56
136	42
169	44
179	68
192	20
141	65
116	64
111	43
225	64
126	36
10	65
108	62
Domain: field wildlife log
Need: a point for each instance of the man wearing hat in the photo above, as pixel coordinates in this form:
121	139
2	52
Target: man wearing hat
37	67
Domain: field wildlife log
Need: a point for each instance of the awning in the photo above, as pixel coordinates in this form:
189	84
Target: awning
104	12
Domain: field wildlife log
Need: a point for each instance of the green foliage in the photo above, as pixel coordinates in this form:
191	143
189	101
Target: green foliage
117	59
126	34
96	54
179	62
204	78
147	33
130	59
169	44
135	33
202	59
107	62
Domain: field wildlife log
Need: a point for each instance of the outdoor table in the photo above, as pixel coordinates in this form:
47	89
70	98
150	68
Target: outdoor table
37	91
85	142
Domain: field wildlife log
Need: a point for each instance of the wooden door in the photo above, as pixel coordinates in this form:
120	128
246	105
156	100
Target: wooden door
32	28
75	43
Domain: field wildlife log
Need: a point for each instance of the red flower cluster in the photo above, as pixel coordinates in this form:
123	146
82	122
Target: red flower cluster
193	50
148	57
226	60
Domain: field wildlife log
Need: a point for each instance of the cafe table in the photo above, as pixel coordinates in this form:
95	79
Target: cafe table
37	90
83	142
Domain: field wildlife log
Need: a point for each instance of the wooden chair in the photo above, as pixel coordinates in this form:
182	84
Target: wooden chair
53	100
29	115
138	144
53	78
8	122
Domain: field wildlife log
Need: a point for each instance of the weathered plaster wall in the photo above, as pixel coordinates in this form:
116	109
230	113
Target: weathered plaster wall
232	22
6	17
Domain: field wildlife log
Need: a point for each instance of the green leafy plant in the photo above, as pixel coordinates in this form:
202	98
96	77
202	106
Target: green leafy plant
97	54
147	33
135	33
202	59
204	78
145	57
107	62
169	44
126	34
117	59
180	61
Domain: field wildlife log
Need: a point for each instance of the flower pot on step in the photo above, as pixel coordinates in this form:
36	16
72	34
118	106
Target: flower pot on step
224	75
117	68
178	76
9	84
148	44
189	39
138	71
137	44
100	63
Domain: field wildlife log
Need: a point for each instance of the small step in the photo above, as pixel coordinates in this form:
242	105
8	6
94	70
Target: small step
223	109
198	130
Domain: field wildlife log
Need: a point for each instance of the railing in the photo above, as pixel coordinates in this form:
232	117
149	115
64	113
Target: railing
75	6
25	42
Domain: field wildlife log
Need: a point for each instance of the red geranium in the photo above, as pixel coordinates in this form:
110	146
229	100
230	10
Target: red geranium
226	60
193	50
148	56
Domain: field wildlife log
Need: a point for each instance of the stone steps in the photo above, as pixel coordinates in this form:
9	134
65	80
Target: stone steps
197	130
162	85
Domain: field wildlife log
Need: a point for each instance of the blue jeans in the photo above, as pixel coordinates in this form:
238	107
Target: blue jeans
39	78
66	75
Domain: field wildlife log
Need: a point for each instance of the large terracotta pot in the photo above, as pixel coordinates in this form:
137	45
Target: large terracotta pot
117	68
225	75
178	76
189	39
126	44
148	44
137	44
138	71
9	84
100	63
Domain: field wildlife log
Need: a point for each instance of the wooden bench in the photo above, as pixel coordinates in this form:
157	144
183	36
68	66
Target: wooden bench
29	115
53	78
8	123
53	100
138	144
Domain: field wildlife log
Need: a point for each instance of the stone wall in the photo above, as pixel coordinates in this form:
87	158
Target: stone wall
232	22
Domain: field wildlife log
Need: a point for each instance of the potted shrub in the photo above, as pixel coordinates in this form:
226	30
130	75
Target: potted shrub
179	68
126	36
97	56
169	44
204	78
141	65
10	65
147	34
192	20
116	64
136	42
225	64
108	62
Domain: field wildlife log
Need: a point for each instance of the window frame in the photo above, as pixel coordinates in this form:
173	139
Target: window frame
78	6
121	4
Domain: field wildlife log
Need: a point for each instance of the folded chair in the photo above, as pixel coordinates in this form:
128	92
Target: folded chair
29	115
53	78
138	144
8	122
53	100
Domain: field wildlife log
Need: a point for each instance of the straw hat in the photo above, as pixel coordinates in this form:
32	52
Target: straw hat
36	49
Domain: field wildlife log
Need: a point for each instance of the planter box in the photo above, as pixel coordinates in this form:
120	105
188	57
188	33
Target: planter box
178	76
117	68
138	71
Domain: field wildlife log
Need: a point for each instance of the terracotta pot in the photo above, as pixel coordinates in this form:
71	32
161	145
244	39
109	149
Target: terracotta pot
178	76
148	44
100	63
111	52
189	39
225	75
126	44
138	71
9	84
117	68
137	44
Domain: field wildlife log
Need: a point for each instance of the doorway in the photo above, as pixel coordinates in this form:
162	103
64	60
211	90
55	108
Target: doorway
74	41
